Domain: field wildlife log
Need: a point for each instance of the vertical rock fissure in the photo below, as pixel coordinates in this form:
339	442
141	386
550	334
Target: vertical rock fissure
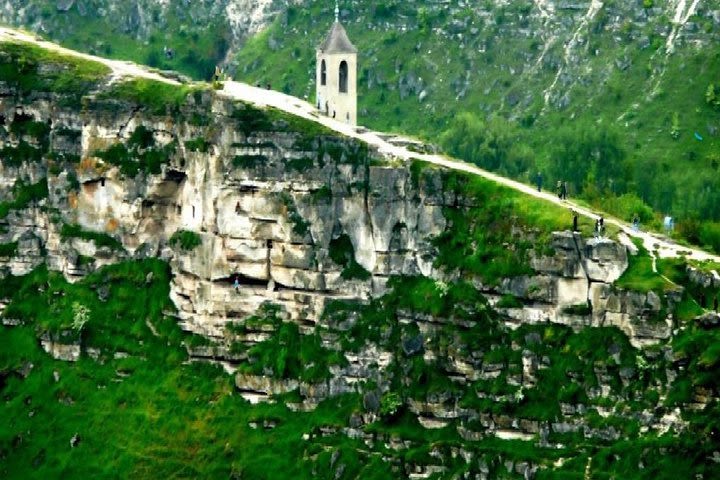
124	126
582	267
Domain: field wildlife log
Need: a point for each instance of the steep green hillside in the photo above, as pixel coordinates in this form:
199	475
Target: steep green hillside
136	407
199	37
596	100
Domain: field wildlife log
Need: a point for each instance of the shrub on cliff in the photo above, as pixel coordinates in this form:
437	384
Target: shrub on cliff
185	240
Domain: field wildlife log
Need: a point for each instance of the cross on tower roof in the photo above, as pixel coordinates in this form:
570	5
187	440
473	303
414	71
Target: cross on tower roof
337	11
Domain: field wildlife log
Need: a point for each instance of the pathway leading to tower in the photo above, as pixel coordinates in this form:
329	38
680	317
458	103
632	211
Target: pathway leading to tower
652	242
295	106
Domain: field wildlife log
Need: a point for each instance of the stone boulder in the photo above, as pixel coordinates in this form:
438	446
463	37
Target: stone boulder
605	260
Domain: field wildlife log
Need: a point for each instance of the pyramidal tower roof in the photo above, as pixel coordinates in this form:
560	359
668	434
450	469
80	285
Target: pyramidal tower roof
337	40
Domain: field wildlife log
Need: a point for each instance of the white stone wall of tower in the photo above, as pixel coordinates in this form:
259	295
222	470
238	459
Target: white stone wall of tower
344	105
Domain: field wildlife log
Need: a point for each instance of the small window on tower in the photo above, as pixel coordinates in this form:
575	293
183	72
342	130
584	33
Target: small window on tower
323	73
343	77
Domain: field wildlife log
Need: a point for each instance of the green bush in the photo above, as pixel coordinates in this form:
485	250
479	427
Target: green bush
100	239
40	131
709	235
185	240
300	164
712	96
159	98
341	252
627	205
32	69
390	404
300	225
198	145
509	301
579	309
140	154
24	152
24	195
141	138
321	195
8	249
249	161
288	353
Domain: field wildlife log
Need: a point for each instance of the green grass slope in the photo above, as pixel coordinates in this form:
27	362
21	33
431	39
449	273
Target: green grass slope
620	121
198	34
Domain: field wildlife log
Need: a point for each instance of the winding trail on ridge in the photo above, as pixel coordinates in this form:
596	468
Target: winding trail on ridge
663	246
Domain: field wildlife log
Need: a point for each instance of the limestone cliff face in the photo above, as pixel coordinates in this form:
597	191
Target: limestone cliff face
299	218
269	222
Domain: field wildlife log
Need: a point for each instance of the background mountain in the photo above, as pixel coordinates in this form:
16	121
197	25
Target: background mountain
200	33
620	99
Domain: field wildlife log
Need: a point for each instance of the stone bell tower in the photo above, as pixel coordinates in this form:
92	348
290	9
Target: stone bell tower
336	74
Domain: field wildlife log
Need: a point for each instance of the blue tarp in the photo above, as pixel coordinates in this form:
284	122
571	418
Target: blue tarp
697	135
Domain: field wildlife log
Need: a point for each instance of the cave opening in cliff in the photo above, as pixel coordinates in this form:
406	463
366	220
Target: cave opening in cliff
244	281
176	176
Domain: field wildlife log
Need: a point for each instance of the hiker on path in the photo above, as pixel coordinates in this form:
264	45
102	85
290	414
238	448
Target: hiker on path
668	224
236	284
563	190
538	180
635	222
575	220
558	189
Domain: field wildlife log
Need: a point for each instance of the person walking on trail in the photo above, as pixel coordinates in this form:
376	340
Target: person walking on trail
563	190
538	180
575	221
635	222
668	224
601	222
558	189
236	284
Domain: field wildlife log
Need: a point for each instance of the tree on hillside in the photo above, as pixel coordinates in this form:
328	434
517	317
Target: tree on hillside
492	145
585	154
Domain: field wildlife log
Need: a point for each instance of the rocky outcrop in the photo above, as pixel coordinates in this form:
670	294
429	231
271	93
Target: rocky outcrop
574	287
